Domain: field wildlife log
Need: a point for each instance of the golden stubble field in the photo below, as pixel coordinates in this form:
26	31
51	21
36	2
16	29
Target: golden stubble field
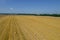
14	27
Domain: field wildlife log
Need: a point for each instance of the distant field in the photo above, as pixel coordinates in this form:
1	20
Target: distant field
20	27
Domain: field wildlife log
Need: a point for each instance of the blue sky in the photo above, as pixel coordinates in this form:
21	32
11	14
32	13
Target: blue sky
29	6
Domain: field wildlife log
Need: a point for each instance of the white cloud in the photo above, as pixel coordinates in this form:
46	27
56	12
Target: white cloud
11	8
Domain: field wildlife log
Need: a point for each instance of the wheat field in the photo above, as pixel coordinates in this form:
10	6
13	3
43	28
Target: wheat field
20	27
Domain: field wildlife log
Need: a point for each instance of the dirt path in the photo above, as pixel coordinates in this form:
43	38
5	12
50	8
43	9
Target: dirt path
29	28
